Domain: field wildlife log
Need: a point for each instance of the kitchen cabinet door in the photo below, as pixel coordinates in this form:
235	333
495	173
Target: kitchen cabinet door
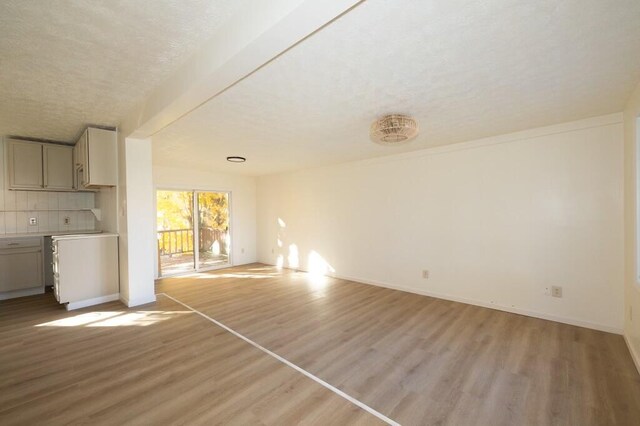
24	161
58	167
20	269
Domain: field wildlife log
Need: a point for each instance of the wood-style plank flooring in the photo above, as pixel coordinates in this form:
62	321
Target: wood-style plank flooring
421	360
158	365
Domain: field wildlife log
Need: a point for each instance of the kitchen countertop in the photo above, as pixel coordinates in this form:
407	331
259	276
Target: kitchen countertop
47	234
79	236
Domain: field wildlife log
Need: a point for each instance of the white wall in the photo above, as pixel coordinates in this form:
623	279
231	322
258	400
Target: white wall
495	221
243	203
107	202
632	281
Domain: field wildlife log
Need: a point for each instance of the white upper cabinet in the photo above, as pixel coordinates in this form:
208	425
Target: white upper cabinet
91	164
39	166
96	158
24	164
58	167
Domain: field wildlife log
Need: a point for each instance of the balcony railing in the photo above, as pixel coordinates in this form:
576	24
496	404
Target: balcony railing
178	241
175	241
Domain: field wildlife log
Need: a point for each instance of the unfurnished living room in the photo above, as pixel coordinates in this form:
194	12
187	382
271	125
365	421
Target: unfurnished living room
249	212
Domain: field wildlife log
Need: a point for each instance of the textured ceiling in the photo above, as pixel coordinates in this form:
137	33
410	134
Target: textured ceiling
464	69
68	63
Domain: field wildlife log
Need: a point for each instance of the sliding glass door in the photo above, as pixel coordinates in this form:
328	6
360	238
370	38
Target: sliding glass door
175	232
213	225
193	231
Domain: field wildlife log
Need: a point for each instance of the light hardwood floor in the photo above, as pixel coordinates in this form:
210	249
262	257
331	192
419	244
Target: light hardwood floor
421	360
153	366
417	360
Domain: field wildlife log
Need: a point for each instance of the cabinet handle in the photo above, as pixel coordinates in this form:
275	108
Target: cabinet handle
13	244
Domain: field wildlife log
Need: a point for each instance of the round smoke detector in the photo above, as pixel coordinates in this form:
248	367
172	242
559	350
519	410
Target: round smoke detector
393	129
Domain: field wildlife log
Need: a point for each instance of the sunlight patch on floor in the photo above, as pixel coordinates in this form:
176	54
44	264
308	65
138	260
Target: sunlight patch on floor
114	319
213	276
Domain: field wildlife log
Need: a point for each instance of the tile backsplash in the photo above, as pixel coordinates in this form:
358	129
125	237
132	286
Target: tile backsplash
50	209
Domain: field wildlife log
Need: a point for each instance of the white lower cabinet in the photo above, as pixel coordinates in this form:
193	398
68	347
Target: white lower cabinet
21	267
85	269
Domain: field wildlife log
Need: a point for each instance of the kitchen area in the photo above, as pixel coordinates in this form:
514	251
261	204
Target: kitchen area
57	218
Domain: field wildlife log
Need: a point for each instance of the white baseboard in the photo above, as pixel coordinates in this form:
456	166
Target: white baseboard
519	311
137	302
634	355
90	302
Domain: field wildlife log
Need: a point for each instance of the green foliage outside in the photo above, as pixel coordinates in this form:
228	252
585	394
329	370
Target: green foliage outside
214	210
175	212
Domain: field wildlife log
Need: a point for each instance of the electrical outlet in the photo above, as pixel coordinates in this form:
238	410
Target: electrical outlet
425	274
556	291
67	220
33	221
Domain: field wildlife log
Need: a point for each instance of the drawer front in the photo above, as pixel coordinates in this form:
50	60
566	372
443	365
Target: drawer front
9	243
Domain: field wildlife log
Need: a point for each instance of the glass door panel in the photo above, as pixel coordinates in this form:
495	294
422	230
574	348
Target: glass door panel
213	225
176	243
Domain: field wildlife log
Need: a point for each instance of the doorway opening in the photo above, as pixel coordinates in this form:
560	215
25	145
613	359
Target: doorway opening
192	230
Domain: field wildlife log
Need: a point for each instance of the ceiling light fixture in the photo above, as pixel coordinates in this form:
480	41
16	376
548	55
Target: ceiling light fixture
236	159
393	129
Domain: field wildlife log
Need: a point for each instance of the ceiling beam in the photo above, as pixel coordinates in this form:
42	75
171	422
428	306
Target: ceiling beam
247	42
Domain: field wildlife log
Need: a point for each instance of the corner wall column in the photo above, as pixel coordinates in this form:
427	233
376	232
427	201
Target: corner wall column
137	239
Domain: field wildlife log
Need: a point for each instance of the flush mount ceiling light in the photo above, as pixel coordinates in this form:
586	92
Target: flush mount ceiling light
393	129
236	159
